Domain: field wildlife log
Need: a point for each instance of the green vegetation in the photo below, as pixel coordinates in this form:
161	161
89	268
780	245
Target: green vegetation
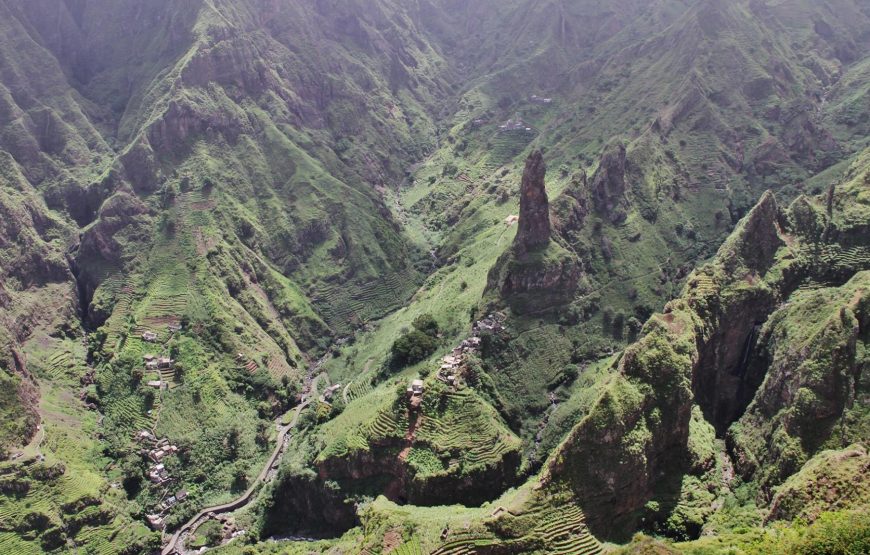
418	343
317	196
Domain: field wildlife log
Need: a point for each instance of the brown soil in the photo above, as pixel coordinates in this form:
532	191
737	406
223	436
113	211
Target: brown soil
392	540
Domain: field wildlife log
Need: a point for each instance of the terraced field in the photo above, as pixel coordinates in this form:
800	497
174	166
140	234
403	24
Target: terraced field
12	544
465	425
409	548
506	146
565	533
358	388
111	539
115	325
463	546
57	360
555	530
345	306
129	413
551	347
46	495
387	424
701	284
834	258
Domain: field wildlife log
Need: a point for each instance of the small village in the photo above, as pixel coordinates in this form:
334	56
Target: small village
155	363
452	365
156	450
515	124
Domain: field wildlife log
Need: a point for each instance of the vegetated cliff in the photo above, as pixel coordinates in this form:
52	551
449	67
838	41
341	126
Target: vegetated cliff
831	480
36	293
782	393
444	448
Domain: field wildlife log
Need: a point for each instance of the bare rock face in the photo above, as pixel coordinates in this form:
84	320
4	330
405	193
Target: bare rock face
608	183
534	223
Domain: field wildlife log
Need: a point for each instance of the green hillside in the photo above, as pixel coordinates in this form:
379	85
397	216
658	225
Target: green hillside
623	246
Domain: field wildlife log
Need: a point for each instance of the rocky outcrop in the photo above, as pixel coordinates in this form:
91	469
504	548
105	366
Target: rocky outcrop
727	373
380	465
608	186
756	240
19	400
637	431
810	352
554	275
780	381
536	272
122	217
533	229
301	504
121	211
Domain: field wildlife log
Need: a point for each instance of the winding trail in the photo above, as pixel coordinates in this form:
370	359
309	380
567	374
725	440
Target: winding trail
173	546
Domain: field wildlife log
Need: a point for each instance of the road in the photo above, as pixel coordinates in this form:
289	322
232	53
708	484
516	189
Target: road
245	498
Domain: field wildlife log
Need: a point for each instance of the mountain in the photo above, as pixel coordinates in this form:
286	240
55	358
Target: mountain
622	247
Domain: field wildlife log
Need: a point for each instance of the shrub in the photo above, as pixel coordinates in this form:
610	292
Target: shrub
618	324
426	323
571	372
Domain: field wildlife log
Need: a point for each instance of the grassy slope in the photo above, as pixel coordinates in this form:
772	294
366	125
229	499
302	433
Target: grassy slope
319	178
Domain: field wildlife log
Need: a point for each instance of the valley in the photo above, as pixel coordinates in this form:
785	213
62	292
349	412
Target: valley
434	277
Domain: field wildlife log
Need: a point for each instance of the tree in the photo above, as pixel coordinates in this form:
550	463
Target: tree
240	478
413	347
618	324
232	442
571	372
427	324
131	472
214	535
418	343
179	371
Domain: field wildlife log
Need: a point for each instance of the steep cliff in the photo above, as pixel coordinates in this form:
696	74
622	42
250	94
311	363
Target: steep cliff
782	392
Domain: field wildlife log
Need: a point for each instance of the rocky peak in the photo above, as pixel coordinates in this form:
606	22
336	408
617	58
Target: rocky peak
608	183
534	224
755	241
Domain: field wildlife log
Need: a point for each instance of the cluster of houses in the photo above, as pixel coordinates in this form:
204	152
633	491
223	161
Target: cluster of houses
415	389
493	323
158	520
415	394
451	364
157	450
155	364
152	337
540	100
515	124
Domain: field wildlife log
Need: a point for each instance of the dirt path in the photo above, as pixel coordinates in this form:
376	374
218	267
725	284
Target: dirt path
173	547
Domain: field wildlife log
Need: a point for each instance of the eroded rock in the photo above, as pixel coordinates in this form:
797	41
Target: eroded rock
534	225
